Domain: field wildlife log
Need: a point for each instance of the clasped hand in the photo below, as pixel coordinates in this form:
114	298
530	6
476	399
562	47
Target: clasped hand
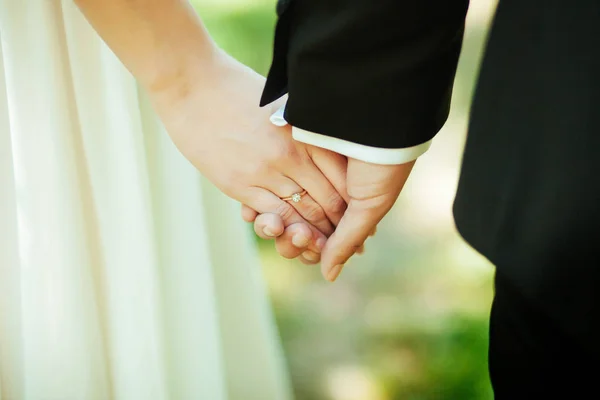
218	126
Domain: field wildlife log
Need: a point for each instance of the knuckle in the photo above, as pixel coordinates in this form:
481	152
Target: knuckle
336	203
349	249
285	211
314	213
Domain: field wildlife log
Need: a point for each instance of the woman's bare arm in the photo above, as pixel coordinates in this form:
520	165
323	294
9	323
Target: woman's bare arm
162	42
209	105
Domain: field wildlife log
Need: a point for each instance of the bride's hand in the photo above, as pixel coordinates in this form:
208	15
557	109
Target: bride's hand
217	124
298	240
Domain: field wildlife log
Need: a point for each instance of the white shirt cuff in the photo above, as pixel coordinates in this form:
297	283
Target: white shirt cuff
374	155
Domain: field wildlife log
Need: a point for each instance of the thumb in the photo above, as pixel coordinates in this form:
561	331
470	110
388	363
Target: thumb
373	190
355	227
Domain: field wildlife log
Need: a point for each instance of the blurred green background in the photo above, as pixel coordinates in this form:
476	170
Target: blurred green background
408	319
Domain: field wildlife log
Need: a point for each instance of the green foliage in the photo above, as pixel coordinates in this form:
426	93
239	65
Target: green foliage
244	32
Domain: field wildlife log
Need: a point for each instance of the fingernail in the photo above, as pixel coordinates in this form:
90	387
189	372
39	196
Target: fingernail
321	243
268	232
311	256
299	240
334	272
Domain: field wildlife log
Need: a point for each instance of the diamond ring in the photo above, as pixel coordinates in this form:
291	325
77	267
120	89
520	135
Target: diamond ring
296	197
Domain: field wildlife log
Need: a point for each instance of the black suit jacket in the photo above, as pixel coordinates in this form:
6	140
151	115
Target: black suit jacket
529	191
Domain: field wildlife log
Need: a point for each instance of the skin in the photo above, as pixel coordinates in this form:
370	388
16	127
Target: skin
208	102
372	190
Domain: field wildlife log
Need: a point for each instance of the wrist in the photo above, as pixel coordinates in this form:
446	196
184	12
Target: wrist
173	78
208	80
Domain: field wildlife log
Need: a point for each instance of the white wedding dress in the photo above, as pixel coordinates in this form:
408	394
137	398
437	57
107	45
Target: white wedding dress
123	274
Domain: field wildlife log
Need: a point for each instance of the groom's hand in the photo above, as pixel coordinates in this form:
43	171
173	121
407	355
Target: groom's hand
299	239
372	190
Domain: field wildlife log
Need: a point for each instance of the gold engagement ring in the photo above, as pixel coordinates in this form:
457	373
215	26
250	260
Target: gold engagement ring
296	197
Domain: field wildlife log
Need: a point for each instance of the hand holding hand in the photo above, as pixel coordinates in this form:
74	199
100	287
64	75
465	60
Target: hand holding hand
298	240
371	190
217	124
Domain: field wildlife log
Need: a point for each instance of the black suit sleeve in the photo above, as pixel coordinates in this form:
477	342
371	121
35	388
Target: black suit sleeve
374	72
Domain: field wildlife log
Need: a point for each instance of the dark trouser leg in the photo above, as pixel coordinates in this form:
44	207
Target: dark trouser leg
530	357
